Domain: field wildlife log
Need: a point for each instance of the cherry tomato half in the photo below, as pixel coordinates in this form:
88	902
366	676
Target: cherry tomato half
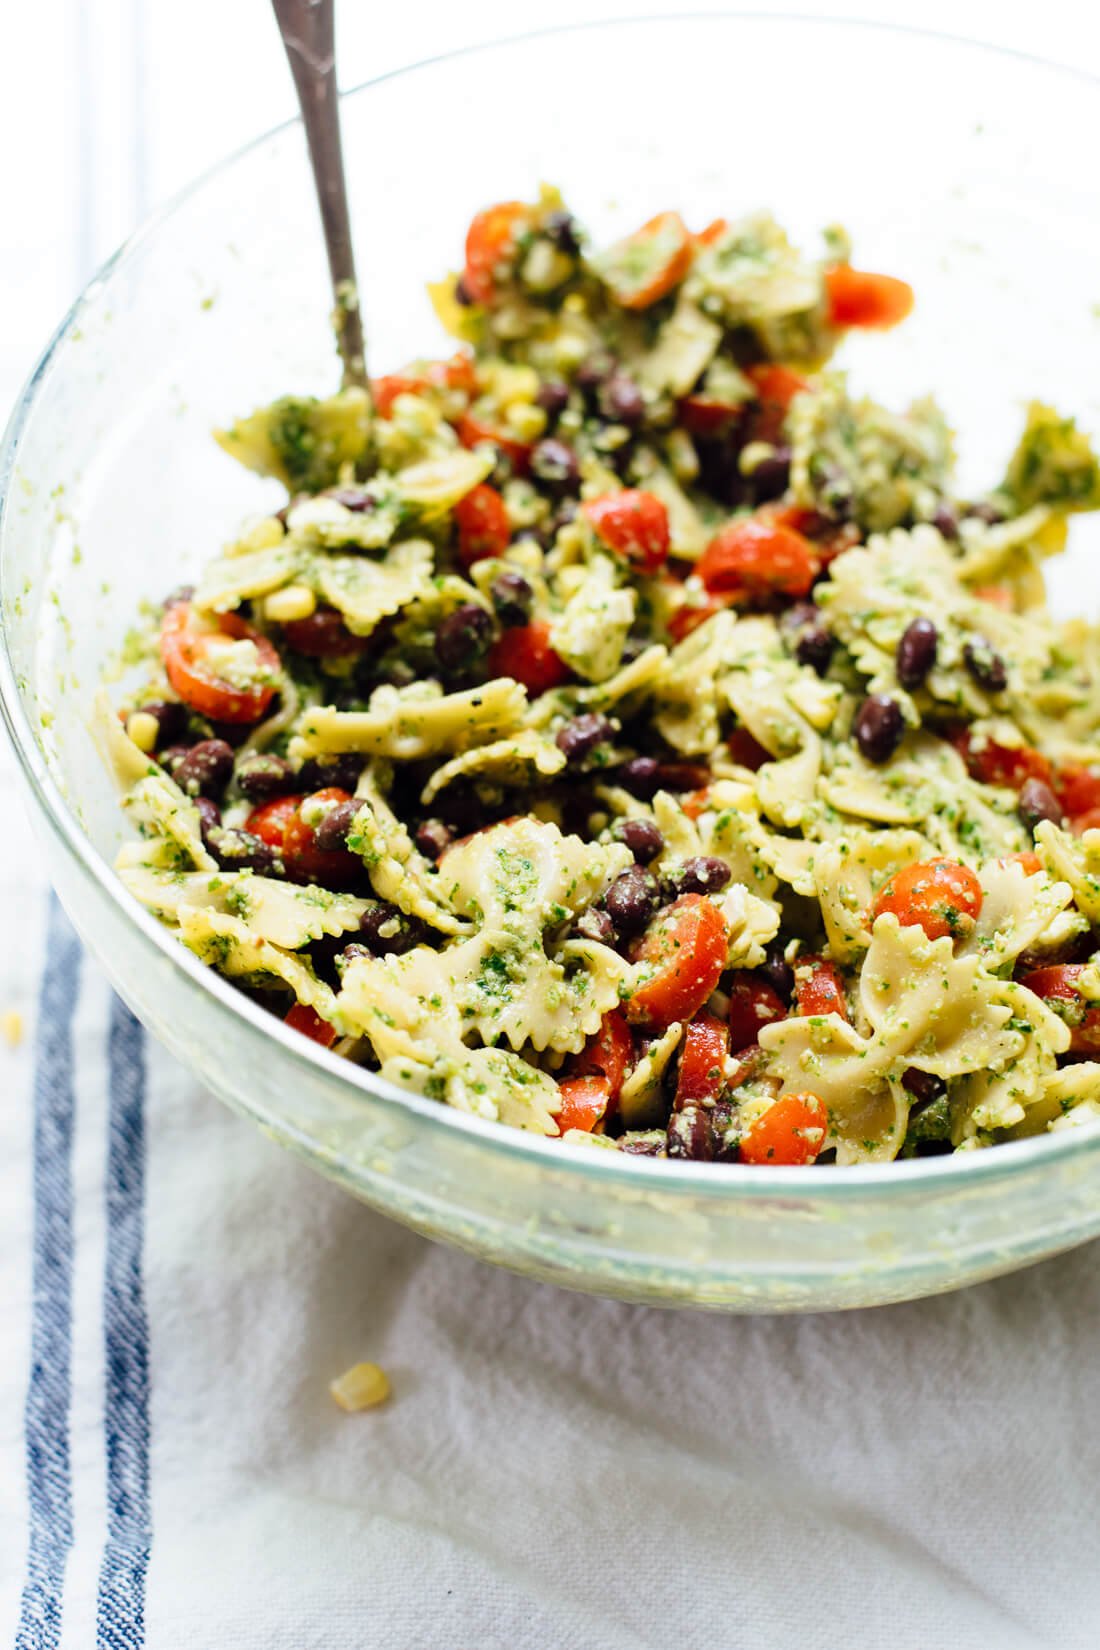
1058	986
609	1053
857	298
686	948
188	647
1005	765
702	1072
818	988
280	824
648	264
791	1132
525	654
758	557
633	524
939	895
584	1102
753	1003
307	1020
483	525
1078	790
489	241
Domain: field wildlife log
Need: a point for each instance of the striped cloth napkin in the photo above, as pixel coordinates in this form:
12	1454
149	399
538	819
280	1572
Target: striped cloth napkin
551	1471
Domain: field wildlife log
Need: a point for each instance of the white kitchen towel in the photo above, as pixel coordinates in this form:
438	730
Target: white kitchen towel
552	1472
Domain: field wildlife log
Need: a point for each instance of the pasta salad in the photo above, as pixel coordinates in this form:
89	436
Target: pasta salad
626	732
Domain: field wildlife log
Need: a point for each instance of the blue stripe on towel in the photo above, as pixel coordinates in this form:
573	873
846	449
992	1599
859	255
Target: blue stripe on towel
120	1612
49	1479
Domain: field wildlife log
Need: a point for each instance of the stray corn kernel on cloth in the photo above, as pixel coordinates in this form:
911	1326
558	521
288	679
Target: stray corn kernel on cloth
551	1472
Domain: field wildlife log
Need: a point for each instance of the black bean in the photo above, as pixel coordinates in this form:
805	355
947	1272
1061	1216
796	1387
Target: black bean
206	768
641	836
595	369
632	899
463	295
621	400
555	465
945	520
210	817
385	930
433	838
595	924
1037	802
561	229
171	718
777	971
804	632
702	874
689	1135
331	831
644	1143
463	637
356	499
639	776
985	664
171	757
553	397
771	477
337	772
580	736
985	510
262	776
512	597
923	1086
878	727
725	1131
237	850
916	653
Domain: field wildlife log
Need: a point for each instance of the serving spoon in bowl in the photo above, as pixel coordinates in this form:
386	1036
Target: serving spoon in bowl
308	35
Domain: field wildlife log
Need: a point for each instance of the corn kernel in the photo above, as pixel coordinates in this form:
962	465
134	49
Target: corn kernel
509	383
294	601
263	534
527	422
144	729
11	1027
361	1387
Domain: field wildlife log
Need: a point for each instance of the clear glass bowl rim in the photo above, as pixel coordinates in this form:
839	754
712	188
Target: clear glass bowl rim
914	1177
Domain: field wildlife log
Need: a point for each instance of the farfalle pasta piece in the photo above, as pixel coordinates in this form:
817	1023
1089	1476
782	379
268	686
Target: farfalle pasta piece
398	872
158	807
230	580
1019	913
408	725
848	872
366	591
525	758
751	923
641	1098
685	693
287	914
590	631
1075	860
226	943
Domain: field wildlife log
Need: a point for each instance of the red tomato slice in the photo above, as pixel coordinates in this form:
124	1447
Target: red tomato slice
633	524
791	1132
713	232
857	298
1077	789
775	383
473	431
186	642
310	1024
489	241
708	415
686	948
753	1003
525	654
456	373
280	824
1058	984
483	525
384	391
758	557
998	595
702	1061
584	1101
689	617
818	988
1028	859
324	635
1088	821
610	1053
1005	765
939	895
648	264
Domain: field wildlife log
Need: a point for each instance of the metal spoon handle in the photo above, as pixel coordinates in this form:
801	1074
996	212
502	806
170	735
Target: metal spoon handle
309	38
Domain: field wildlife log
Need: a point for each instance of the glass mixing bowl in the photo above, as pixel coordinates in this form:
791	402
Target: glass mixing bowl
966	170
